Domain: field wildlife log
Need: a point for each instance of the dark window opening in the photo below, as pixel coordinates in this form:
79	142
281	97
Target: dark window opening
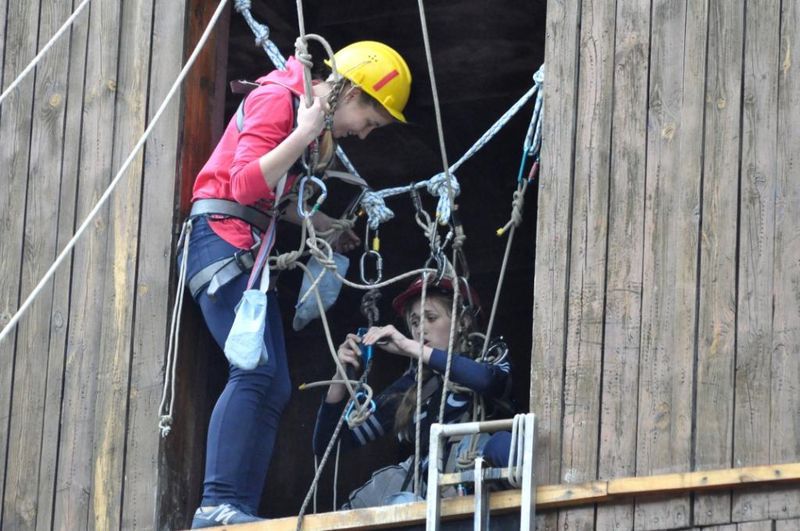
484	56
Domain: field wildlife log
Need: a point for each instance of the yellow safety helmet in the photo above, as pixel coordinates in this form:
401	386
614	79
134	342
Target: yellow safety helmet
379	71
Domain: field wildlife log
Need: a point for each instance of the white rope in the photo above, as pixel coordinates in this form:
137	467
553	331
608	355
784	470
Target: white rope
168	393
437	111
44	50
454	318
261	33
418	409
374	203
115	181
316	468
515	451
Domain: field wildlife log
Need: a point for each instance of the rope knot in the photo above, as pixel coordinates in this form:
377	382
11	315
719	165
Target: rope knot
286	260
241	5
438	186
516	207
377	211
165	425
262	35
301	52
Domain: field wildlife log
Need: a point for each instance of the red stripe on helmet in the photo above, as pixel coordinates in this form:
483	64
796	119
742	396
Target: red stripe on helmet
385	79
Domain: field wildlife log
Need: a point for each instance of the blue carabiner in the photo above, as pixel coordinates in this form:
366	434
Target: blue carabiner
366	350
321	199
361	398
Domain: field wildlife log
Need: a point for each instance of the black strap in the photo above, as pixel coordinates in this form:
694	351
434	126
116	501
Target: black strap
227	208
219	273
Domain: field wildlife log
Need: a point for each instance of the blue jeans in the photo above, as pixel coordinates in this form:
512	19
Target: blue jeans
244	423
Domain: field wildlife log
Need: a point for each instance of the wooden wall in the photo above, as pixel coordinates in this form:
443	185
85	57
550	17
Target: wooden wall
666	326
80	380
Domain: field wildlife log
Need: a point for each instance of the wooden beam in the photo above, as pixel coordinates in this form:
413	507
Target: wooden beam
547	497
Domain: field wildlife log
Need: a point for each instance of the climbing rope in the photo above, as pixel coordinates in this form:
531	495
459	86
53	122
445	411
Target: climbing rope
168	394
118	177
374	203
261	33
418	408
531	148
437	110
455	318
64	27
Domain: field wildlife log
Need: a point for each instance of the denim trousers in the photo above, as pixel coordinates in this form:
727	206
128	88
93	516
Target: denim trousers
244	423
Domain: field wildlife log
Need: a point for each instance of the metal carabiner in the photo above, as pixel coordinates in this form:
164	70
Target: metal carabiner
301	191
378	267
361	398
437	257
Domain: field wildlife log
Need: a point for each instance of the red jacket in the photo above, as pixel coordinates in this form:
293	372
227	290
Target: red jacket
233	171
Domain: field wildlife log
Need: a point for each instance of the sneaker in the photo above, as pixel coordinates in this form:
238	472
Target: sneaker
225	514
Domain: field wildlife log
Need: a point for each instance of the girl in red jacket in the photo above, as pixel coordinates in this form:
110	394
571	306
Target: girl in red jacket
253	165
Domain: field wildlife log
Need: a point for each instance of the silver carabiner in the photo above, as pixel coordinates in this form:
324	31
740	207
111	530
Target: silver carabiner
378	267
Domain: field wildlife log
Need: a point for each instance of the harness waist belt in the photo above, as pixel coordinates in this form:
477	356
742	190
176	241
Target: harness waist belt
217	274
224	207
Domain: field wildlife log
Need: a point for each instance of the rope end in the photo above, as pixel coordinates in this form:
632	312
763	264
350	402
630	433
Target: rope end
501	231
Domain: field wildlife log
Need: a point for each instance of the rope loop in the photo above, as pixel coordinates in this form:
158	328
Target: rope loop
301	52
440	186
242	5
165	425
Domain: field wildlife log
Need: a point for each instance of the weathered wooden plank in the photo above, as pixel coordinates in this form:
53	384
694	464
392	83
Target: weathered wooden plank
553	228
547	497
131	87
62	280
143	477
787	525
762	525
674	166
90	306
29	489
785	392
617	454
584	340
713	444
757	248
203	120
15	130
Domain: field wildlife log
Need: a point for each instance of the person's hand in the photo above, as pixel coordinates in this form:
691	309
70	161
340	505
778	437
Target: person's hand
349	353
391	340
345	241
341	241
311	120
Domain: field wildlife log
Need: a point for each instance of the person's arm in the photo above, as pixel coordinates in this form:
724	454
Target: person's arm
269	144
377	425
484	378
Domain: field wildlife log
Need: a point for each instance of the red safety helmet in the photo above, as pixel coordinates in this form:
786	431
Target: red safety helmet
467	295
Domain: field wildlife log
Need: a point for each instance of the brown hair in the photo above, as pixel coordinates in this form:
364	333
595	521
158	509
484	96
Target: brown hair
408	400
327	144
